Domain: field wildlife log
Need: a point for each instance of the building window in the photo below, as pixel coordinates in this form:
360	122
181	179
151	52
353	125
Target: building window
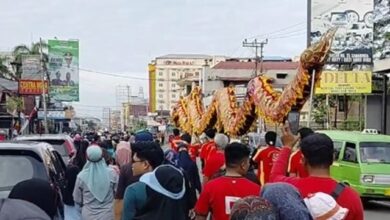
160	84
160	73
342	103
160	96
196	73
173	85
173	96
173	74
281	75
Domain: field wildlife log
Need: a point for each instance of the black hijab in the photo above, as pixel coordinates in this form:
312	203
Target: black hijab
38	192
158	205
81	155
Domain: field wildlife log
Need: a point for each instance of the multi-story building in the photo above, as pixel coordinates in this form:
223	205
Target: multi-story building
166	71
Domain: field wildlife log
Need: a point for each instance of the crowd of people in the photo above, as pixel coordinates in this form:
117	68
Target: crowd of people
208	177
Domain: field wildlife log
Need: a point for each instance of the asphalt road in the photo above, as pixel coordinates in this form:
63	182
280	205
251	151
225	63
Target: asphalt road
377	211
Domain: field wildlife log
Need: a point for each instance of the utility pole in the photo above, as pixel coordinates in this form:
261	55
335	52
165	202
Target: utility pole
128	107
43	89
256	44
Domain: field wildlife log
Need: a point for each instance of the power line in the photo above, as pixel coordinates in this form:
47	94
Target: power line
290	35
278	30
269	34
125	77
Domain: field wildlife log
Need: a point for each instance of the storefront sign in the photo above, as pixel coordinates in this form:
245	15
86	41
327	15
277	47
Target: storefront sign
32	87
344	82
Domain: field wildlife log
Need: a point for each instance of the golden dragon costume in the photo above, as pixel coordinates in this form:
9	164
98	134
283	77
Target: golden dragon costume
261	99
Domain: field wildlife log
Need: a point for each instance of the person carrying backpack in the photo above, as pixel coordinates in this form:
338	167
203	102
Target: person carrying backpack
317	150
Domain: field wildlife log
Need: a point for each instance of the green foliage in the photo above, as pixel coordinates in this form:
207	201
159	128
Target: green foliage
139	125
14	103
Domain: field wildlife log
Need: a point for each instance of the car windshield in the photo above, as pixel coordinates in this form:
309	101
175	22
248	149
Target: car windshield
58	145
16	168
375	152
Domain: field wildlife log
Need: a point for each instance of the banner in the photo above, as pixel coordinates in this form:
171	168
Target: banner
32	87
31	67
64	70
353	41
344	82
51	114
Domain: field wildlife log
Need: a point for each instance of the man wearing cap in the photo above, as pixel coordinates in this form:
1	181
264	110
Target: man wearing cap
265	157
318	155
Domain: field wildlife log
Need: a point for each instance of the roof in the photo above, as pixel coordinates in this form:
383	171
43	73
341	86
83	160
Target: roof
9	85
356	136
184	56
43	137
37	147
251	65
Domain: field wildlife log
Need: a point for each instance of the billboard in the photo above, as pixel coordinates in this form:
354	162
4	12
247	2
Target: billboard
31	67
64	70
32	87
353	41
381	29
344	82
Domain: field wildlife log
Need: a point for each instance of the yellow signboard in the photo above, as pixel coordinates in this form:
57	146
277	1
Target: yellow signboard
344	82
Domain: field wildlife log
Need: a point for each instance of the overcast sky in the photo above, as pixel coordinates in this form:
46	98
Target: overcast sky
122	36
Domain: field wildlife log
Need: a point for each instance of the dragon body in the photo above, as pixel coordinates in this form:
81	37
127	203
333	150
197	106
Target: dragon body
261	100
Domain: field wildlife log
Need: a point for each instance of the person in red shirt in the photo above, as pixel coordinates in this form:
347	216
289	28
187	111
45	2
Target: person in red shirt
318	153
206	147
174	140
219	195
296	167
216	160
265	157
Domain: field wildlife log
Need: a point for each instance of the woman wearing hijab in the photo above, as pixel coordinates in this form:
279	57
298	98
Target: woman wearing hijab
126	177
32	190
165	195
81	158
94	188
123	153
287	201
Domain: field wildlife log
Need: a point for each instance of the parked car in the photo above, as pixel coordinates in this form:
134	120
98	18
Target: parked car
22	160
61	142
363	161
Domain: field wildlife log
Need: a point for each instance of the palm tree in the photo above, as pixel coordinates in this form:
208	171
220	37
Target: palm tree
4	71
21	50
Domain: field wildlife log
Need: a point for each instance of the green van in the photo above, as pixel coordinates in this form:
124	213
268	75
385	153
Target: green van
362	161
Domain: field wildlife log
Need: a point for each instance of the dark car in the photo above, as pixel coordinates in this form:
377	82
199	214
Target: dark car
61	142
23	160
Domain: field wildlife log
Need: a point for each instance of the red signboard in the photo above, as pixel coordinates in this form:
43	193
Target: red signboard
31	87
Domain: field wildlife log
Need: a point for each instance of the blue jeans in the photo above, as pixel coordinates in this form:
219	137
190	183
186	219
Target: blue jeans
72	212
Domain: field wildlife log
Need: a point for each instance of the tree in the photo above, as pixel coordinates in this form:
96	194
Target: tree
15	103
320	109
5	72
